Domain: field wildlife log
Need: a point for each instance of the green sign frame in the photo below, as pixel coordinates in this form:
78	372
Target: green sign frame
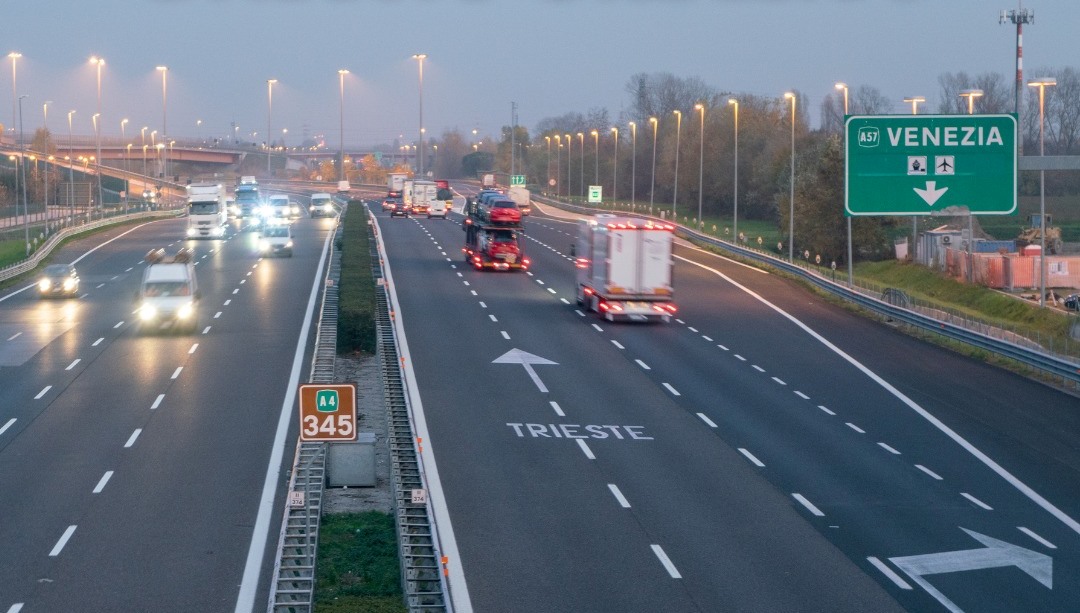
927	164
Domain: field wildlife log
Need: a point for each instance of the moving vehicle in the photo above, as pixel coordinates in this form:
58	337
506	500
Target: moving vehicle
322	205
58	280
231	206
343	187
276	239
277	207
247	199
499	210
169	293
207	213
487	181
423	195
490	245
395	181
624	268
399	208
444	200
1072	302
521	197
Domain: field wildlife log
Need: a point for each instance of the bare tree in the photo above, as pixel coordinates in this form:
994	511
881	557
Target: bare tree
997	96
868	100
656	94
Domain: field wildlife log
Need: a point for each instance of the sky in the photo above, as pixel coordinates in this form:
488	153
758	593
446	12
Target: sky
550	57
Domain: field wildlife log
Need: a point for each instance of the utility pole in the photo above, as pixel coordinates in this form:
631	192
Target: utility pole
1019	17
513	135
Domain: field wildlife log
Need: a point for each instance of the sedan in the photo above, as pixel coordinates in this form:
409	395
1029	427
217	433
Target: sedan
400	208
58	280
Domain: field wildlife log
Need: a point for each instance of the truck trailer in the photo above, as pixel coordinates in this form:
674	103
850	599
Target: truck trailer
207	213
624	268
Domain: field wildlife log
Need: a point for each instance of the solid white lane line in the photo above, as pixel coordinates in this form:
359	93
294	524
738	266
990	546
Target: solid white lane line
1044	542
779	380
757	368
617	344
59	546
597	328
666	561
493	318
554	405
217	315
43	392
855	428
673	391
809	505
888	572
929	472
801	395
9	423
483	305
157	401
194	346
976	501
824	408
750	456
505	335
118	324
206	330
14	336
888	448
133	437
585	449
705	418
97	342
176	373
623	502
73	364
643	365
101	483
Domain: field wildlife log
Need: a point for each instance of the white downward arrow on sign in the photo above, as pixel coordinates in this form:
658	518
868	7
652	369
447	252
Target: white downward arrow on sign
526	359
930	195
995	554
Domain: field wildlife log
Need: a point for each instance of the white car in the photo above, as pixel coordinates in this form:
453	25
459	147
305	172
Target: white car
322	205
276	239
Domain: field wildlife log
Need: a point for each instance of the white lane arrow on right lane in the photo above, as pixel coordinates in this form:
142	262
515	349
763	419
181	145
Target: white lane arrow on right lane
526	359
930	195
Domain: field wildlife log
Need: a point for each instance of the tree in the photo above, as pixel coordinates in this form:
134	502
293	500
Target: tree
660	93
997	96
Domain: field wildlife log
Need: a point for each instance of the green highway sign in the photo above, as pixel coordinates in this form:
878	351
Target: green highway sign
923	164
517	179
596	194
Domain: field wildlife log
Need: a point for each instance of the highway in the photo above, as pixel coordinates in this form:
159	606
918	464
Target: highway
132	466
765	451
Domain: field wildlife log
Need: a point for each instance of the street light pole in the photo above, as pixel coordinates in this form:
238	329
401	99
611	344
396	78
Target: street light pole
596	157
850	264
1042	84
675	194
98	62
123	138
701	160
735	103
652	177
791	213
14	55
164	119
269	114
581	178
341	121
633	165
420	57
22	169
615	167
71	168
48	159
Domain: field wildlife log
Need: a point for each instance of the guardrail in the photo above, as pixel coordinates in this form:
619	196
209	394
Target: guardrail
1068	370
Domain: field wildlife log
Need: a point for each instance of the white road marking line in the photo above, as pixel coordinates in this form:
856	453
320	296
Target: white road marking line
217	315
929	472
888	572
466	283
248	273
750	456
104	479
674	572
707	339
801	395
539	281
9	423
976	501
888	448
617	344
673	391
551	291
493	318
72	365
504	334
1044	542
692	329
243	281
97	342
100	285
114	277
118	324
623	502
739	357
460	274
15	608
554	405
585	449
206	330
597	328
854	427
194	346
43	392
14	336
227	302
564	300
779	380
473	292
59	546
680	321
133	437
579	312
236	291
643	365
826	409
483	305
809	505
133	268
705	418
757	368
723	347
176	373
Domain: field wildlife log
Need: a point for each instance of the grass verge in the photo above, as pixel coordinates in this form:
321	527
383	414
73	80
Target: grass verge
356	306
358	568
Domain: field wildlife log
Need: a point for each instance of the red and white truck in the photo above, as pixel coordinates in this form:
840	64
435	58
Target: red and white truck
624	268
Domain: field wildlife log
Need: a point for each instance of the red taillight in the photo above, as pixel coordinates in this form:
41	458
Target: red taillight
581	263
588	291
604	306
670	308
616	307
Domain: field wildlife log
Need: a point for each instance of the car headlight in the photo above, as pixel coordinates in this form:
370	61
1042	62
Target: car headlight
147	312
186	311
288	245
219	231
69	284
264	245
44	285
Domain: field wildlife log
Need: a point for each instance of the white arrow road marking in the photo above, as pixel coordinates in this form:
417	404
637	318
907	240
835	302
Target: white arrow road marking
995	554
930	195
526	359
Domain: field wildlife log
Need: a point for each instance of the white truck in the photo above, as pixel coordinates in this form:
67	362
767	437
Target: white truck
207	211
169	293
395	181
624	268
521	197
424	199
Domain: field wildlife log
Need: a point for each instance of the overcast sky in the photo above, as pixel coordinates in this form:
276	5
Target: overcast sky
550	56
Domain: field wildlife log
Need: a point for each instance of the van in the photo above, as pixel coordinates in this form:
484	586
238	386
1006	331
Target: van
343	187
276	239
168	296
321	205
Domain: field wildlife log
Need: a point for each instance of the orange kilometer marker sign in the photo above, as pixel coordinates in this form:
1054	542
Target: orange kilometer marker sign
328	412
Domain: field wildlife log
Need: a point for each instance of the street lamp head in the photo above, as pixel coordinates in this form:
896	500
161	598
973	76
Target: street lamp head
653	120
1042	82
343	72
789	95
271	81
14	55
594	133
419	56
163	68
841	85
699	107
97	61
915	99
732	101
677	113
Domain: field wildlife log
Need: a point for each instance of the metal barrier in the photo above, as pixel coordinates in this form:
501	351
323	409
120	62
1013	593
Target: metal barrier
1057	366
